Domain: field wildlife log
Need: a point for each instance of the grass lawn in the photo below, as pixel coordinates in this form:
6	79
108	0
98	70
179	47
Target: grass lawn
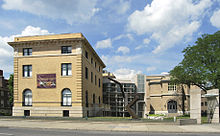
166	119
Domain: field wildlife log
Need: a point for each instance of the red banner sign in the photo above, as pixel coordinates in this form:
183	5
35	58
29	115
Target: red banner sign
46	80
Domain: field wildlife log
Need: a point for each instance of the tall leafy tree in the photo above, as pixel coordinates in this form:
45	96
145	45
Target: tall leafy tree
11	88
201	63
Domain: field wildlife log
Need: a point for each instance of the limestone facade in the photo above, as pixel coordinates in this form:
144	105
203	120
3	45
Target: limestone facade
195	105
163	97
56	75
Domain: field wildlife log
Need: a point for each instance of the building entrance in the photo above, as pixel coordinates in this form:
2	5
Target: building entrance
172	106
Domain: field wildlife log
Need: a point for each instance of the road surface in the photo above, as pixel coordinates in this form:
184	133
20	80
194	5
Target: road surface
8	131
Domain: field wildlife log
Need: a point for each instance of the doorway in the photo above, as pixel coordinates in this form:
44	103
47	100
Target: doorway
172	106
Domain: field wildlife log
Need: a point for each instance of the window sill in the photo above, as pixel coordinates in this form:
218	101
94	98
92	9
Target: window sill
68	76
27	105
66	53
66	105
27	77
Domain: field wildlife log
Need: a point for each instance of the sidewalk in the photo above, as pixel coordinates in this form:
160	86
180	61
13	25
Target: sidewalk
110	126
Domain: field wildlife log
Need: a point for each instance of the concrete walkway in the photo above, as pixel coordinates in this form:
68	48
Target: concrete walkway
110	126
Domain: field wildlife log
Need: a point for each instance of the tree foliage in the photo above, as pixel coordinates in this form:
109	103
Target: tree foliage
11	88
201	63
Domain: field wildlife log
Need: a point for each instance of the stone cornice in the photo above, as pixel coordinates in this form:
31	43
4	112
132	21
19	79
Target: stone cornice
67	41
45	42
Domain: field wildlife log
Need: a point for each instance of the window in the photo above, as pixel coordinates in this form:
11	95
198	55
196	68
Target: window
66	69
86	54
86	72
99	68
171	87
205	103
27	70
95	80
91	60
201	103
27	98
91	76
27	51
99	100
66	49
66	113
93	98
66	97
87	100
26	113
2	93
95	64
2	103
99	82
8	103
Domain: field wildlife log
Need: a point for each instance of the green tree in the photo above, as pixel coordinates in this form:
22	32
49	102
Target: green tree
11	88
201	63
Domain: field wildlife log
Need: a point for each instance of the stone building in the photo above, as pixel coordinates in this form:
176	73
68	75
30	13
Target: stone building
56	75
163	97
5	108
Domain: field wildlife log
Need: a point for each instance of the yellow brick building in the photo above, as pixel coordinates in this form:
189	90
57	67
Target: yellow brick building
56	75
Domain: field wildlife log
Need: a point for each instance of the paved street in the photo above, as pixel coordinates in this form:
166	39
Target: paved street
7	131
56	127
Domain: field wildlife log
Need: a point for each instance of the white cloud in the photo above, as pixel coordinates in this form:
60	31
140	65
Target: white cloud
105	59
164	73
169	21
117	60
138	47
146	41
107	43
215	19
31	30
138	62
125	59
129	36
119	7
123	49
150	69
73	11
123	6
6	51
174	36
126	74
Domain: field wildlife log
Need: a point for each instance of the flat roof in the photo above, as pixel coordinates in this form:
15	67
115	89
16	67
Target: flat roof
68	36
48	37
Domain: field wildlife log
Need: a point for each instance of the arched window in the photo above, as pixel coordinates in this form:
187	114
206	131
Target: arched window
27	98
172	106
66	97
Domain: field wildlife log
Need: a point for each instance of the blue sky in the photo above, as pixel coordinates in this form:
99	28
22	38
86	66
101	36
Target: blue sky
131	36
